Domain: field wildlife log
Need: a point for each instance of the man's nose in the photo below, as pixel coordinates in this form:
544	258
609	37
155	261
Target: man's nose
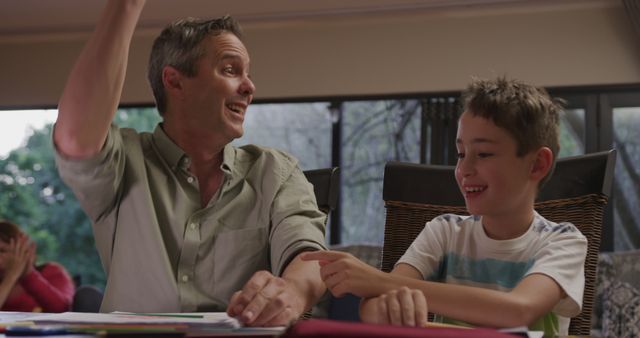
247	87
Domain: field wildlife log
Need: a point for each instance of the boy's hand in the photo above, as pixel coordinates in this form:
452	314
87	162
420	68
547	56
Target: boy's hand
403	306
342	273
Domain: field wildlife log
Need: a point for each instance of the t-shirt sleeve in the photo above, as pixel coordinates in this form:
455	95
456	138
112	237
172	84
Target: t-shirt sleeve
427	250
95	181
562	259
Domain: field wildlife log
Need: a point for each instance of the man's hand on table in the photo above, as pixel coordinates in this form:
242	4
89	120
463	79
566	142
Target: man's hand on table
266	300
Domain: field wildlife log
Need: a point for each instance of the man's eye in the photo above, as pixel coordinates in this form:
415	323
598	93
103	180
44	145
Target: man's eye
483	155
460	155
228	70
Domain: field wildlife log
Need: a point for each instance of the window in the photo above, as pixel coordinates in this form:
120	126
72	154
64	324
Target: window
373	132
626	215
602	119
572	136
33	196
302	129
358	135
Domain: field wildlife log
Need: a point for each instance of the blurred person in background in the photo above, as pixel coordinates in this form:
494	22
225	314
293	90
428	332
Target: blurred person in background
24	286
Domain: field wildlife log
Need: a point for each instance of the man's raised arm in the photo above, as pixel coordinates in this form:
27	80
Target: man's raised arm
93	89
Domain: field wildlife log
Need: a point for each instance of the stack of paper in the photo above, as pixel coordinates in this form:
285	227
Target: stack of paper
166	324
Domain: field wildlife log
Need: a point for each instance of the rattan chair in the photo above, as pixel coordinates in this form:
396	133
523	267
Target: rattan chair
577	192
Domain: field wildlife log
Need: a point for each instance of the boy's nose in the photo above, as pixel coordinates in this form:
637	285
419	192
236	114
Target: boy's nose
465	167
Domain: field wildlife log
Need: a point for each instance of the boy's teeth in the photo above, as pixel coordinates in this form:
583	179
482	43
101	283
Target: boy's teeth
475	189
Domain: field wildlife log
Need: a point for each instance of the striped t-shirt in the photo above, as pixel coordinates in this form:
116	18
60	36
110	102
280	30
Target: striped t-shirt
455	249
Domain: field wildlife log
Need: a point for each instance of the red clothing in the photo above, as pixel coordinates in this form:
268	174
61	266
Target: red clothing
47	289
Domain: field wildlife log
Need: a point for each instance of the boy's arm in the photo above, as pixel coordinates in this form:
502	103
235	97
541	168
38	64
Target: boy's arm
403	306
94	86
410	308
533	297
343	273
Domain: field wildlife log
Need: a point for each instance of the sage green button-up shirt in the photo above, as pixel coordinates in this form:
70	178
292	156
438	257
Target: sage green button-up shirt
161	250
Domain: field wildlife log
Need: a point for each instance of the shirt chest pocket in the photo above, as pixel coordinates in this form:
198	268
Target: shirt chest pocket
238	254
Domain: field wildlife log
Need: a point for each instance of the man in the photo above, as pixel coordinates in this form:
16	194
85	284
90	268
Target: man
182	219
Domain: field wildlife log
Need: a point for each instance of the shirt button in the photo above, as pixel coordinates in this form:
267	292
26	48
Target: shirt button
193	226
190	179
185	278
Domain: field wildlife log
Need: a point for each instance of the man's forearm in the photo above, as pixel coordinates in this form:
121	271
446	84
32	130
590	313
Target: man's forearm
305	277
94	86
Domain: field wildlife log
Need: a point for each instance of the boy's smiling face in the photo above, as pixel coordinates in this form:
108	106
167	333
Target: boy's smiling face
495	182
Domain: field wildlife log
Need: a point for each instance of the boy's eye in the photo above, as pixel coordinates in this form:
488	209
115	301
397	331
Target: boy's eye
460	155
483	155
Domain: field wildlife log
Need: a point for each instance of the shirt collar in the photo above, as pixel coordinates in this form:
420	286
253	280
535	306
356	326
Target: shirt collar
228	160
177	158
170	152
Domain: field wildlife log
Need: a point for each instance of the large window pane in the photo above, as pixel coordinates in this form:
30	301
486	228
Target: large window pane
626	194
33	196
572	135
373	132
302	129
140	119
18	125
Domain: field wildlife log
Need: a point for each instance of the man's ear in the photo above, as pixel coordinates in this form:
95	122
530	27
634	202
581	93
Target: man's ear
542	163
172	81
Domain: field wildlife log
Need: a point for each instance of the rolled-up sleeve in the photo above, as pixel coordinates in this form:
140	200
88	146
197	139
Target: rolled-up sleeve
96	180
297	224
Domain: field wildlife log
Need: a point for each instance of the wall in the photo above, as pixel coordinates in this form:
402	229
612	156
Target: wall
374	54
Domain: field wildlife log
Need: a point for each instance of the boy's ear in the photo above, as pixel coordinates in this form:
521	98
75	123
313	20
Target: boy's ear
172	81
542	163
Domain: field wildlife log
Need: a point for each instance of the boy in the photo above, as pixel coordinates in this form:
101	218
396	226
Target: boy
503	266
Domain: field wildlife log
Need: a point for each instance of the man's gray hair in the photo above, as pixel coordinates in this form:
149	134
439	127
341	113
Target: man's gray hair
180	46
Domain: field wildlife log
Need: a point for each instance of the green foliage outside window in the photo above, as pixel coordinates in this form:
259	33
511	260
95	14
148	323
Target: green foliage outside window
34	197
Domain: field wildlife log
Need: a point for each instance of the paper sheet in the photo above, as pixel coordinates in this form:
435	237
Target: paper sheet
210	319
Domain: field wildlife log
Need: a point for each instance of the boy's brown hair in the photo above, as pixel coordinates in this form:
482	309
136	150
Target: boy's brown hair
526	112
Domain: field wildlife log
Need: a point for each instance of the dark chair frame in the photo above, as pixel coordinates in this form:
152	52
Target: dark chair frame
87	298
577	192
326	185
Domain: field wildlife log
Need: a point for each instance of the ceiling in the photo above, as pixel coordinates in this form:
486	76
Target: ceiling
37	17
